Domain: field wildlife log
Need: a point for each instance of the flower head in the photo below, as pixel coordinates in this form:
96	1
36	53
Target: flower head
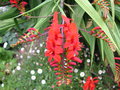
90	83
82	74
33	77
43	82
62	48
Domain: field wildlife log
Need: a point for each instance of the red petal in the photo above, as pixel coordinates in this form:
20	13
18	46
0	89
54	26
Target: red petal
57	58
77	59
72	63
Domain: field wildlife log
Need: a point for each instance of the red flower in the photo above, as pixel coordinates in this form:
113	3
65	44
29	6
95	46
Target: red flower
72	44
14	1
23	3
54	41
117	74
90	83
62	48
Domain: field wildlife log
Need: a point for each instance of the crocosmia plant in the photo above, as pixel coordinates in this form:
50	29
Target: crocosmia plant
59	45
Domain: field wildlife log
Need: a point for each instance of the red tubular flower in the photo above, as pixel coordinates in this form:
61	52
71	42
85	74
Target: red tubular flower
90	83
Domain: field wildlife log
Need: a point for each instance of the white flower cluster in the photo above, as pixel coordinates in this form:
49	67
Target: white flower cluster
101	72
3	9
18	67
32	72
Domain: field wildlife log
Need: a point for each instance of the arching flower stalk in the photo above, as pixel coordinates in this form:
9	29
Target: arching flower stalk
90	83
30	36
104	5
20	5
62	48
117	74
99	33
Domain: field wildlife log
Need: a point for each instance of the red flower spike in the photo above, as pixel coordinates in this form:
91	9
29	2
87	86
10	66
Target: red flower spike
19	5
90	83
62	48
117	74
98	33
27	37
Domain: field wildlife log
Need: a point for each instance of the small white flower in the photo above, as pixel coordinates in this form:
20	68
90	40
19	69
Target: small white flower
22	49
17	55
32	72
113	86
41	45
5	45
39	71
38	51
33	77
28	57
18	68
2	85
103	71
100	72
43	82
33	51
88	60
37	63
75	70
87	49
13	71
85	55
98	58
21	56
65	63
82	74
84	81
19	64
45	50
100	78
35	48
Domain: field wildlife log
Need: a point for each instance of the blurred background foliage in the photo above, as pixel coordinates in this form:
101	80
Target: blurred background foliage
17	63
